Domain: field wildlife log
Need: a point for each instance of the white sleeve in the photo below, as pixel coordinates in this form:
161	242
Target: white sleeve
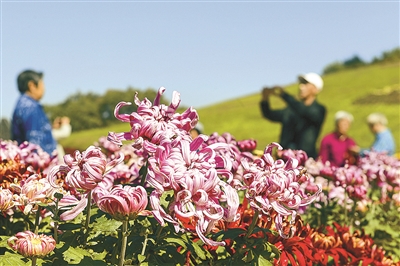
62	132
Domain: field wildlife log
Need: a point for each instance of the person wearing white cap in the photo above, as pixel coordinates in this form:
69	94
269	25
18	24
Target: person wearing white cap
197	130
384	141
336	147
301	119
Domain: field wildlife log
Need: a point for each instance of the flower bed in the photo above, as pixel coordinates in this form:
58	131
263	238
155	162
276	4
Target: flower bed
155	196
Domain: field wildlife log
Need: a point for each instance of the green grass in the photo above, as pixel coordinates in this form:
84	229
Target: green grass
242	117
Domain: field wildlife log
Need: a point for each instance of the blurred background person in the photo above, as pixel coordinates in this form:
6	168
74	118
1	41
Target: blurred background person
197	130
61	129
336	147
384	141
29	121
302	119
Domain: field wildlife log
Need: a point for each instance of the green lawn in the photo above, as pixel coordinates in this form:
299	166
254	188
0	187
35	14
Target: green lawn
359	91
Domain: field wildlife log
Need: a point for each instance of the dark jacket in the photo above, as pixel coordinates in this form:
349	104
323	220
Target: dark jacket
301	124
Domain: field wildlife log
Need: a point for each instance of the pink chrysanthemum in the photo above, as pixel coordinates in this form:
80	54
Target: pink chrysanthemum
83	171
154	122
6	200
122	202
31	245
193	176
275	185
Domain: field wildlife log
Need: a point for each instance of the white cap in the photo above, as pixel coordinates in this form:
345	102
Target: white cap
343	114
199	126
377	118
313	78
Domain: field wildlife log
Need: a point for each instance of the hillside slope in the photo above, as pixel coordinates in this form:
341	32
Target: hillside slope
373	88
359	91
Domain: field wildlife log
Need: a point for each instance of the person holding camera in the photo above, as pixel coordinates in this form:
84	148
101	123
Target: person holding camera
302	118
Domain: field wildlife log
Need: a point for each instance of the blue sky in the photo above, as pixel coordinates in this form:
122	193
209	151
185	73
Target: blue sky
209	51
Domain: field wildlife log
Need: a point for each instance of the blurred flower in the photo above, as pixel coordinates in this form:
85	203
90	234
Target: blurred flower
154	123
122	202
231	151
28	153
396	198
381	168
18	162
6	200
357	243
299	155
353	180
322	241
248	145
31	245
110	147
34	156
275	185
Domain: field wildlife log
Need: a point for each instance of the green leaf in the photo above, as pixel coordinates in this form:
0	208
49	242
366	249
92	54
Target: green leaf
69	226
99	256
3	241
166	198
141	258
178	241
106	225
249	256
199	251
11	259
74	255
230	233
263	261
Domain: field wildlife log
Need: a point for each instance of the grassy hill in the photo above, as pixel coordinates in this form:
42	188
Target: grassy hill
360	91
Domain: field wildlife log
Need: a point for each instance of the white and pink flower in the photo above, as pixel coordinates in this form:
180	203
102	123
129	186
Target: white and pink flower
154	123
194	177
6	200
275	185
31	245
83	171
122	202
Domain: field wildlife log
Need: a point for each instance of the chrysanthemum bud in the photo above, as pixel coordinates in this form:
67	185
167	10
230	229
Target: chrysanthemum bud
122	202
31	245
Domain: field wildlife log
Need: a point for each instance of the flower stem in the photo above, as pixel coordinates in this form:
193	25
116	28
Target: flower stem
56	232
143	173
144	244
345	208
253	223
37	219
124	242
158	232
56	216
88	207
34	261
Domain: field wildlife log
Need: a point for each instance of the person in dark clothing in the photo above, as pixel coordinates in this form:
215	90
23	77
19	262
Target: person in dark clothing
301	119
